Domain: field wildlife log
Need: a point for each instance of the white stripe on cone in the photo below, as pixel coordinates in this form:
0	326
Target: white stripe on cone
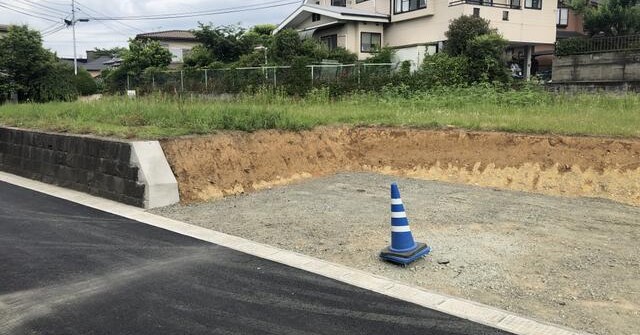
396	201
398	215
400	229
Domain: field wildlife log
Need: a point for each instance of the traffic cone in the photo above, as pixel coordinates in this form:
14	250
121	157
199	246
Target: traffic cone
403	249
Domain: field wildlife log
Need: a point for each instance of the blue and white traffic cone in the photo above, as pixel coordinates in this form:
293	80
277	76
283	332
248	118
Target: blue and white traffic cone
403	249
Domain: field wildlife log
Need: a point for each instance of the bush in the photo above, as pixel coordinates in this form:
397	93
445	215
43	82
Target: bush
56	84
462	30
85	84
486	63
444	70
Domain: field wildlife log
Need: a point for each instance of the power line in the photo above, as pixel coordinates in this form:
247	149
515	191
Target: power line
28	9
32	3
80	6
3	5
245	8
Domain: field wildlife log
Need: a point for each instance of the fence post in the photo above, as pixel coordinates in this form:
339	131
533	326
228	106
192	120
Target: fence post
182	81
312	76
153	81
358	72
128	83
206	80
275	77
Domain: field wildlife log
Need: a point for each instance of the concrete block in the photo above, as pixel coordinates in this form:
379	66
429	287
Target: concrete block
154	171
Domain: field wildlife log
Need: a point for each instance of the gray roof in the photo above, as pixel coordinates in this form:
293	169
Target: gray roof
348	11
97	64
4	28
182	35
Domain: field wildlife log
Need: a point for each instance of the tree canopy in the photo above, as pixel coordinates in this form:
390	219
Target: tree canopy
30	70
611	17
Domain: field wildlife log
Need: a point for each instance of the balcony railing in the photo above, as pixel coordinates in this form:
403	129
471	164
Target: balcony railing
513	4
585	45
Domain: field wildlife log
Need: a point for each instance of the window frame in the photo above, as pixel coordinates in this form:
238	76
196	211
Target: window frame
342	1
559	17
333	37
395	6
372	50
315	17
532	1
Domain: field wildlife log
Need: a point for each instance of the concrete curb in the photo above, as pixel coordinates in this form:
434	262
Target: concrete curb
462	308
154	171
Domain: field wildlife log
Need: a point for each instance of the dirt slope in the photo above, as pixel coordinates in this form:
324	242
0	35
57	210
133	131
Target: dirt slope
235	162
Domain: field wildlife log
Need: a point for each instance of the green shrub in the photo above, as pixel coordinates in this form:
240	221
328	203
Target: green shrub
444	70
56	84
85	84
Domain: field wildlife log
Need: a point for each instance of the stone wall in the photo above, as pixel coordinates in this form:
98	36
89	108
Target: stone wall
106	168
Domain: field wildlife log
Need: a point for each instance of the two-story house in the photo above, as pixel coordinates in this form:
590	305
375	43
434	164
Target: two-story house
178	42
415	28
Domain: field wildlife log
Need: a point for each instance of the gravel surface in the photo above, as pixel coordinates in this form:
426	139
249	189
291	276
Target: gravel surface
570	261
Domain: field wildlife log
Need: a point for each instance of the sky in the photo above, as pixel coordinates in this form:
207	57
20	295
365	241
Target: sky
107	34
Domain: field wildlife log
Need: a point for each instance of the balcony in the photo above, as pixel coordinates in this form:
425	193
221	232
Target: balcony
506	4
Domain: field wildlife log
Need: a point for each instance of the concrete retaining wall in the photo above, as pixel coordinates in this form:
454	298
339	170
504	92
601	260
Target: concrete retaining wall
106	168
607	67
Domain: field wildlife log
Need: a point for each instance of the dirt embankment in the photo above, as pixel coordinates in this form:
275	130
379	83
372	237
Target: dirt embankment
234	162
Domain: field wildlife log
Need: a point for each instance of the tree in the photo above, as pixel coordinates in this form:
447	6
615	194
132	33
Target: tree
224	43
23	60
260	34
462	30
612	17
32	71
143	54
287	45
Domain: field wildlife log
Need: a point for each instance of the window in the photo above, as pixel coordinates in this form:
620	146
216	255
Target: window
315	17
533	4
403	6
505	16
563	17
515	4
476	12
359	1
331	41
370	42
339	3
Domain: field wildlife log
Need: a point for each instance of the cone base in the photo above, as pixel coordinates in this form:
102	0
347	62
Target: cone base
404	258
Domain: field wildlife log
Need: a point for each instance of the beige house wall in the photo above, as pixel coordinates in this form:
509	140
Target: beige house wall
426	28
309	22
176	48
346	35
374	6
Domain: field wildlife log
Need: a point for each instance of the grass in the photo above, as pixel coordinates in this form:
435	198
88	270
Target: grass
477	108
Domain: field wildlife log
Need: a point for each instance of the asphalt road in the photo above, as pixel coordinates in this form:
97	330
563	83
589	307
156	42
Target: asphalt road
69	269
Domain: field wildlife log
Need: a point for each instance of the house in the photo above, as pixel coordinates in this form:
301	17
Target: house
569	24
93	64
415	28
4	29
178	42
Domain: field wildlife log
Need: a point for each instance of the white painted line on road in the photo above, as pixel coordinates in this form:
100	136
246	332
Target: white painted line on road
462	308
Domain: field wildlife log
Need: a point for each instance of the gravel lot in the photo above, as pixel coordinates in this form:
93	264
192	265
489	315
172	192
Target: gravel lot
570	261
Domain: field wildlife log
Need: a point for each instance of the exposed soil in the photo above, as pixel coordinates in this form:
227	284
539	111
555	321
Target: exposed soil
570	261
230	163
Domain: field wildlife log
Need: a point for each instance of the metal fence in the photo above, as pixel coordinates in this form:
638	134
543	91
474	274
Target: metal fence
583	45
235	80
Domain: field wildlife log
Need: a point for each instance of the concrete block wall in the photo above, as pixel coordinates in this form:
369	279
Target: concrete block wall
97	166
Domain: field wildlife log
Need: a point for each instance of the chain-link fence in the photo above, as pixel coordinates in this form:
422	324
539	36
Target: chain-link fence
234	80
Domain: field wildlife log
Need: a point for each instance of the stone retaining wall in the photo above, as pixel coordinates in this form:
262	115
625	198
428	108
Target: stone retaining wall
97	166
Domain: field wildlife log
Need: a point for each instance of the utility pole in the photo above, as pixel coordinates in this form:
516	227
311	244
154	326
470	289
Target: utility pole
73	23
